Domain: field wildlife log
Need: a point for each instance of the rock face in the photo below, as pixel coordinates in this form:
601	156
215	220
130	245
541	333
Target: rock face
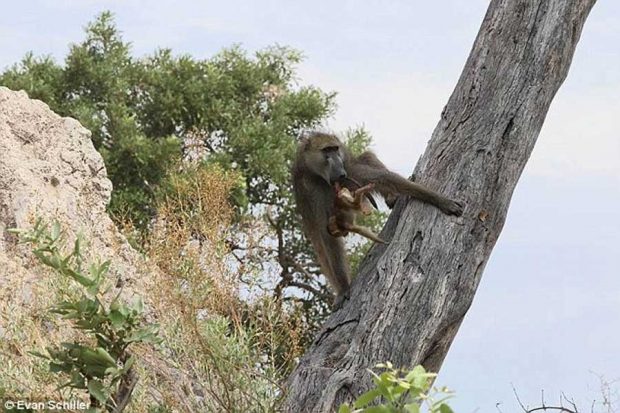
50	169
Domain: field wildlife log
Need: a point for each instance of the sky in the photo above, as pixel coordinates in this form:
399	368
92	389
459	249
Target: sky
547	312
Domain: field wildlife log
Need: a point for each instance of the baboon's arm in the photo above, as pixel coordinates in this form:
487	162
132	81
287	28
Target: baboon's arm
368	169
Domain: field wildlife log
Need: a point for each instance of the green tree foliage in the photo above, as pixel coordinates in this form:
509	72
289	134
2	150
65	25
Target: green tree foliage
240	111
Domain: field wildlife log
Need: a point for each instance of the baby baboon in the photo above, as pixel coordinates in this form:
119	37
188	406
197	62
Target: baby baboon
346	207
321	162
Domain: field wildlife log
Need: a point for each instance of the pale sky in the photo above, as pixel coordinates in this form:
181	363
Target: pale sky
546	314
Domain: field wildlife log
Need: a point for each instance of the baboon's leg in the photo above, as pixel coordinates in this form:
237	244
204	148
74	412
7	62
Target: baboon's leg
331	255
339	265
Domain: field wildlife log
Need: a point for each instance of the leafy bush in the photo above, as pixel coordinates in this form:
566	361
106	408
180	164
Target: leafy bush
400	392
100	364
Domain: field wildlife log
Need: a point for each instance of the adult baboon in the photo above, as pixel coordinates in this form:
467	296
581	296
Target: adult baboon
321	161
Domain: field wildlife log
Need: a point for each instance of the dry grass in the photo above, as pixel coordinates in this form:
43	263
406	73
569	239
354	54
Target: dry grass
220	353
235	352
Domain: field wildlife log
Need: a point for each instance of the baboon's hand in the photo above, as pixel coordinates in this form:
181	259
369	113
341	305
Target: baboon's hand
454	208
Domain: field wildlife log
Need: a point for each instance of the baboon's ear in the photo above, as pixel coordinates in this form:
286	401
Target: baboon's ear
304	136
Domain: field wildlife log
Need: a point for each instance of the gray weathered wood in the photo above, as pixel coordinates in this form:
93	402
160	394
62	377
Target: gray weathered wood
410	296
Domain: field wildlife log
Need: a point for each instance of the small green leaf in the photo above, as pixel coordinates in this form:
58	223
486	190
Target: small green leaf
112	371
344	408
365	399
37	354
97	270
43	258
96	389
57	367
137	305
104	355
55	234
397	391
86	282
412	408
77	380
123	309
147	334
98	360
77	246
444	408
116	318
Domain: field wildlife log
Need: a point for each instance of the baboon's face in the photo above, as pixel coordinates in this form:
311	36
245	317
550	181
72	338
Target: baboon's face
328	163
335	164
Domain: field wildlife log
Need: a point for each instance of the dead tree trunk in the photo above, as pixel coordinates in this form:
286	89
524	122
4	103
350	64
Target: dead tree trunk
410	296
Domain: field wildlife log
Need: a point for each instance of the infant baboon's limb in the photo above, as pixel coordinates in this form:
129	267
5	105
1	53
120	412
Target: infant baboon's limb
363	231
361	199
347	206
358	200
340	226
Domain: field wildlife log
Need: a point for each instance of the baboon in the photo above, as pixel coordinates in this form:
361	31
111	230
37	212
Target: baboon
346	207
321	162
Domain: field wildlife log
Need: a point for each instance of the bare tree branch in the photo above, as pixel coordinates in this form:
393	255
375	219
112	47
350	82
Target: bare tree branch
544	407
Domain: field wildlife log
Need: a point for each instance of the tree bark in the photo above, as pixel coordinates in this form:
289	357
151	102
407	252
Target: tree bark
410	296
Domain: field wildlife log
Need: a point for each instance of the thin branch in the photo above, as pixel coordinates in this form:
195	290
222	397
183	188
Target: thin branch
543	407
318	293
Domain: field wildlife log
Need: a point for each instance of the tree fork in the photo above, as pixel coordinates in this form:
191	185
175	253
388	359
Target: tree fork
410	296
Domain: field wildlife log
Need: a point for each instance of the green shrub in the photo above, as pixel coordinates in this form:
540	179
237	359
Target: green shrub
398	391
101	363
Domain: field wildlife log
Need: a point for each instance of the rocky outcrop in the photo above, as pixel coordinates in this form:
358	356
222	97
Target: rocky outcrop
50	169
